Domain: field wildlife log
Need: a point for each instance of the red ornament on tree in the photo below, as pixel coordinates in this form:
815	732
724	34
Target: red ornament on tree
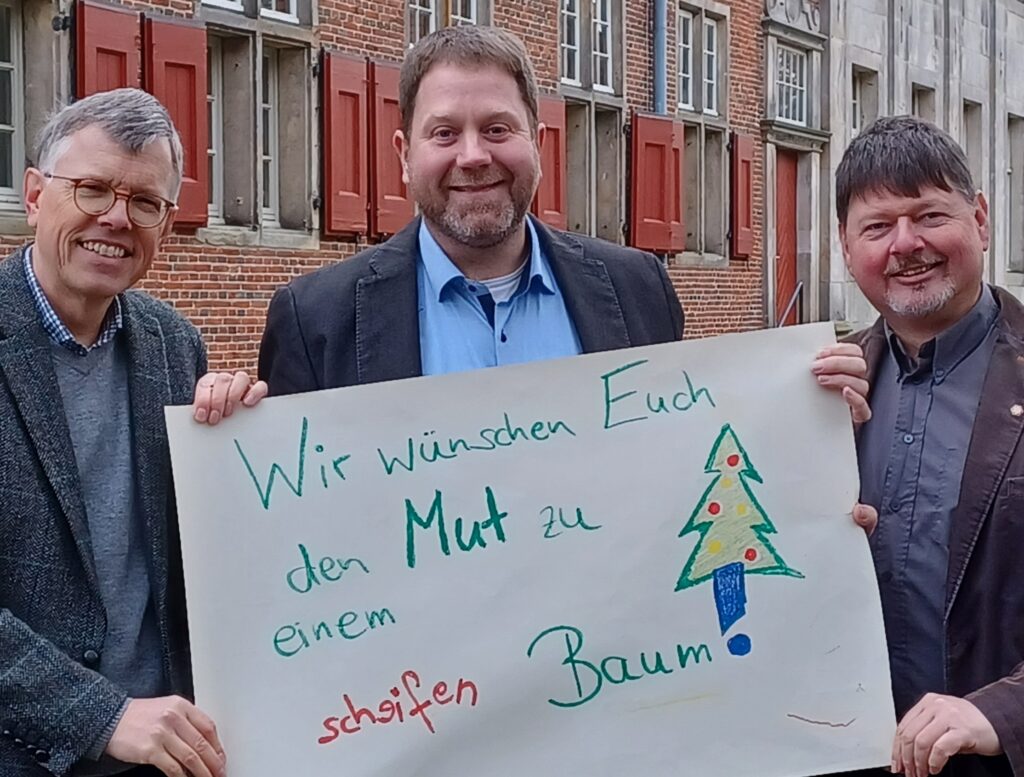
750	555
714	508
733	460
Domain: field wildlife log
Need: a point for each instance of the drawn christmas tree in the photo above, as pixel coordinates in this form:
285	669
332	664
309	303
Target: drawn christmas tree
734	531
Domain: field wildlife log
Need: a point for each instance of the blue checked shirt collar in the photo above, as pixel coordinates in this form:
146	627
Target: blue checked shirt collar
56	329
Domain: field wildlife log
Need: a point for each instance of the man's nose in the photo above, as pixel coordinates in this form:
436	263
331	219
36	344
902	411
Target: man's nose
473	151
117	216
906	239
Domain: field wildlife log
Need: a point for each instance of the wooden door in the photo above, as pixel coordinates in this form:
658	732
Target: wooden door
785	237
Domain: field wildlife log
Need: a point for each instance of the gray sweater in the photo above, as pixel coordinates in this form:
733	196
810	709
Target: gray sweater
94	390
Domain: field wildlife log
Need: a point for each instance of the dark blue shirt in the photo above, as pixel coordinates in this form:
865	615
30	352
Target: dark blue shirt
912	455
458	332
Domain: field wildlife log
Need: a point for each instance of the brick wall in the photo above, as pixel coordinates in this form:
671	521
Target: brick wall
225	290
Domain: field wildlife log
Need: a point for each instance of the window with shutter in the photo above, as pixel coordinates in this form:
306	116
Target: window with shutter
549	203
175	73
107	48
392	206
742	195
345	145
656	222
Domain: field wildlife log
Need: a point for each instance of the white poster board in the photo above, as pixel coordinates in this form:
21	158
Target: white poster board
637	562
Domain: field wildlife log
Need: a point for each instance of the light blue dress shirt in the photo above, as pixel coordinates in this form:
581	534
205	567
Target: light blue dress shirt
456	332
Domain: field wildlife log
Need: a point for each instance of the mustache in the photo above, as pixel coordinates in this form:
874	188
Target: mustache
912	262
486	177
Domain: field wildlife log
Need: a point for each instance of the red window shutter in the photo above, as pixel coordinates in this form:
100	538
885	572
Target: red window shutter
656	194
549	204
677	195
392	206
107	45
175	73
345	145
742	195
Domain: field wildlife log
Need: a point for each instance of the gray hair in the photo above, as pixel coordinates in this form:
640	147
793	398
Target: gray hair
901	155
132	118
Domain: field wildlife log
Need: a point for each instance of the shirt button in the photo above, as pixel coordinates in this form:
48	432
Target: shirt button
504	337
908	438
91	657
472	288
939	373
894	505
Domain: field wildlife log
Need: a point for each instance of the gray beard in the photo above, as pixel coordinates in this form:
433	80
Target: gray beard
920	305
458	229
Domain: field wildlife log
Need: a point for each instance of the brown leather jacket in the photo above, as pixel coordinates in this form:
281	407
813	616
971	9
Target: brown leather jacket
984	623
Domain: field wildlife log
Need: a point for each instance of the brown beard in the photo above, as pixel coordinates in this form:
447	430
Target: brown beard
485	225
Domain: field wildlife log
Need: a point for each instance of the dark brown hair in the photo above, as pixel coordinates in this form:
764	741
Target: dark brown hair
468	45
901	155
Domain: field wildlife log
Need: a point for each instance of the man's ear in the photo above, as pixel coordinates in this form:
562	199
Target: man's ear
401	146
842	242
32	188
981	219
540	133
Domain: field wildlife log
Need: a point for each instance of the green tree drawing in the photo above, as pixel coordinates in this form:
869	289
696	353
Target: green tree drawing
732	524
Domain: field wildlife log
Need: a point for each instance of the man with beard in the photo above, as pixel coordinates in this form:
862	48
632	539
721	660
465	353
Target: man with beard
474	281
941	458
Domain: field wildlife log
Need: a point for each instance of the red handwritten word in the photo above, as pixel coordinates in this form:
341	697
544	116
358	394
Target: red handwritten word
391	710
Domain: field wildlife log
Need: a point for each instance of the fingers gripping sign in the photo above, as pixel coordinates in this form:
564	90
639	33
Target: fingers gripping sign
841	367
937	728
219	393
171	734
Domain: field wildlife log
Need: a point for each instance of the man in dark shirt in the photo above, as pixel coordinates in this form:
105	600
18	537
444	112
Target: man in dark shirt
940	455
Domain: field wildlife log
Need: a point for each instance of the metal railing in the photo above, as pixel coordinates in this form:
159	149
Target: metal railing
795	301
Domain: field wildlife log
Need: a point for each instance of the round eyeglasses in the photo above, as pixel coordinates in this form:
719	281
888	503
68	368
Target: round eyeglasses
94	198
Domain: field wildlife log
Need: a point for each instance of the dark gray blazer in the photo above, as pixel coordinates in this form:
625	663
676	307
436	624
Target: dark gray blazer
357	321
53	706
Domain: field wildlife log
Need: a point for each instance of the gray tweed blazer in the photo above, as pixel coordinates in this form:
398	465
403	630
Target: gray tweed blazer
53	706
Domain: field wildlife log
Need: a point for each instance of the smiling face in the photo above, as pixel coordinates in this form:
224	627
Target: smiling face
918	260
472	160
92	259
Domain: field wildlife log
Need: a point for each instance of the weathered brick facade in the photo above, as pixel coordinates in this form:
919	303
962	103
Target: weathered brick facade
225	289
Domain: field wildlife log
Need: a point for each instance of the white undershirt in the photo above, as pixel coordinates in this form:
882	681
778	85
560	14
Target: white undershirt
504	287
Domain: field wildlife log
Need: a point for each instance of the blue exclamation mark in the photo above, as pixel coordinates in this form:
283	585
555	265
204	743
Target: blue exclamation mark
731	601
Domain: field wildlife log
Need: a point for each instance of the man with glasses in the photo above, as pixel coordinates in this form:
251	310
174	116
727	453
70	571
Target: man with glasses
93	642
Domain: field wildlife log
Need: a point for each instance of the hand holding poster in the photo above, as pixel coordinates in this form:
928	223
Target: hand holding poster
634	562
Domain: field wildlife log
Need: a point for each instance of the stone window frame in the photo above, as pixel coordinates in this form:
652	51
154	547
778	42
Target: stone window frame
43	85
792	77
706	137
270	137
10	196
687	16
864	96
570	51
442	13
794	27
584	85
599	22
300	13
711	95
1015	194
268	10
240	178
215	121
